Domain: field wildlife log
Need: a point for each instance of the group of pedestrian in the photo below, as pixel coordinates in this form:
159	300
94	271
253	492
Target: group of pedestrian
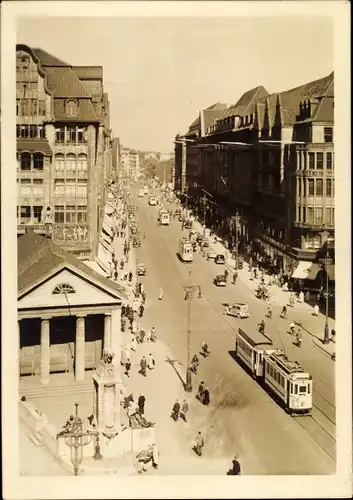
180	410
203	394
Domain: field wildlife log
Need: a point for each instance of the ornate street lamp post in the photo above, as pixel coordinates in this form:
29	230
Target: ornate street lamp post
76	438
326	261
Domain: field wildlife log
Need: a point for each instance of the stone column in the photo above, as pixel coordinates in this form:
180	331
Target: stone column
116	335
107	331
80	349
44	351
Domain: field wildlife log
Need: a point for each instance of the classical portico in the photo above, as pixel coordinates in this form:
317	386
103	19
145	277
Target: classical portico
67	313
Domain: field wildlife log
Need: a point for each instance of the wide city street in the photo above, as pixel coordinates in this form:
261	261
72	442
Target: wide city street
242	418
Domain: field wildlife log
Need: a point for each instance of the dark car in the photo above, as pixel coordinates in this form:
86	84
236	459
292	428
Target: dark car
205	243
141	270
220	259
136	242
188	224
220	280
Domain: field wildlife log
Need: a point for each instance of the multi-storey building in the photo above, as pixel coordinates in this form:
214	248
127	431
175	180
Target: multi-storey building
115	158
130	162
271	158
63	147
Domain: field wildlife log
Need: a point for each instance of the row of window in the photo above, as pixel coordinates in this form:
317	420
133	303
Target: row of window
27	163
314	187
244	347
71	162
71	135
275	375
30	132
30	107
70	213
311	215
27	212
70	189
307	161
28	188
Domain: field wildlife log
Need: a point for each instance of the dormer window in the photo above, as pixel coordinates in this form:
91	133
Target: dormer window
71	108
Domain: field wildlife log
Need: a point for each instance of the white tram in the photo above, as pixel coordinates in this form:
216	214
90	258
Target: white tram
289	382
250	348
284	378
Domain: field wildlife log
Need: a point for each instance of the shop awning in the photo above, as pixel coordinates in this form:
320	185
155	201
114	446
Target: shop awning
106	227
306	270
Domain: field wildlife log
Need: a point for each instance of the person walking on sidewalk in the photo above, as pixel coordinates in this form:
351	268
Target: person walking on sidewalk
127	367
151	362
198	444
176	411
143	366
123	310
141	404
235	276
133	344
155	456
123	324
142	310
130	277
184	410
316	310
115	275
122	263
143	296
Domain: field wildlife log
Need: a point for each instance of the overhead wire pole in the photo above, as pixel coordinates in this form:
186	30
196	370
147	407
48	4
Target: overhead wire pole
189	290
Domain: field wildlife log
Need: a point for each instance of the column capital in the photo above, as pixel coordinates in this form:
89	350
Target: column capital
81	315
45	318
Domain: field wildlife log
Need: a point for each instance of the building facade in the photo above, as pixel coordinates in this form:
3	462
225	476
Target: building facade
130	162
63	149
270	157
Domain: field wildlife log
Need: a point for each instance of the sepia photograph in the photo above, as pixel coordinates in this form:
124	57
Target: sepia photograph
179	263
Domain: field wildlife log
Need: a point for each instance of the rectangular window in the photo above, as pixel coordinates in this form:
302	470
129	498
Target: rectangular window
81	189
37	213
81	213
329	161
26	188
319	187
328	216
71	135
81	136
70	215
311	161
328	187
333	187
38	187
70	189
24	107
320	161
33	105
59	213
300	160
18	107
59	187
318	215
41	108
60	135
310	187
33	131
309	215
25	212
328	134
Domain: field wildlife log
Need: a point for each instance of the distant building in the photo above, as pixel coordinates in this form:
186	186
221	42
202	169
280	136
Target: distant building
166	156
63	149
130	162
115	157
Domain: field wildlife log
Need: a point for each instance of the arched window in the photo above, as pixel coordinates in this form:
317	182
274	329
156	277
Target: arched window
63	288
71	108
71	165
82	163
59	163
38	161
25	161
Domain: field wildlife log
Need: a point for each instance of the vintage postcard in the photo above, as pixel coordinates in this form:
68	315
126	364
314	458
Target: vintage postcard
175	193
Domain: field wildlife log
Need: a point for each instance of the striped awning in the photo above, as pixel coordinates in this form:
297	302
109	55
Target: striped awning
306	270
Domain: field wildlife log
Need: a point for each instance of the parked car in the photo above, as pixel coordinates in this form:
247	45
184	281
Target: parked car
141	269
220	259
205	243
211	254
188	224
238	310
133	229
220	280
136	242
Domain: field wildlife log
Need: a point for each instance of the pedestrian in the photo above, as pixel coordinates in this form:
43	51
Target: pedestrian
140	288
142	309
176	411
206	397
115	275
143	296
235	276
301	297
127	367
143	366
123	310
333	335
127	351
130	276
316	310
201	390
126	274
123	324
198	444
155	456
184	410
283	313
151	362
160	296
142	335
121	264
133	344
141	404
236	469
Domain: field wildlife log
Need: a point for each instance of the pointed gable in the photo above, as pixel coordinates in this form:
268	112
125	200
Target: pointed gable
47	59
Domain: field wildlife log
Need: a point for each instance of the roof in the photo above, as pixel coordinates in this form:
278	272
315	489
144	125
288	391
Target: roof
85	111
88	72
248	98
255	337
47	59
65	83
39	256
33	145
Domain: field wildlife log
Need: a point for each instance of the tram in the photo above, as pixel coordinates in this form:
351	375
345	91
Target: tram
285	379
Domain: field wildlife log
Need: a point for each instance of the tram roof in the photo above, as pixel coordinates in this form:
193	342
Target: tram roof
286	364
255	338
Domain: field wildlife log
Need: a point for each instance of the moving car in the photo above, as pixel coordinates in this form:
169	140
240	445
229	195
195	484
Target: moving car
145	190
205	243
141	270
220	280
133	229
188	224
136	242
211	254
220	259
152	201
141	193
238	310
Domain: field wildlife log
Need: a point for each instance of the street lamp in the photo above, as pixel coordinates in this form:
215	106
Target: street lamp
326	261
189	290
76	438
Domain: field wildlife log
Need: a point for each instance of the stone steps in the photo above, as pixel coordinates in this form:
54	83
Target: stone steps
56	390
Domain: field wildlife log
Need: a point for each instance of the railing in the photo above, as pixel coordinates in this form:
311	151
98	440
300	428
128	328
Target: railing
40	228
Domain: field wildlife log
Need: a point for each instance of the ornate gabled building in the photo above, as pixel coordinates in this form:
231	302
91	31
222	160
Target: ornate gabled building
63	147
270	157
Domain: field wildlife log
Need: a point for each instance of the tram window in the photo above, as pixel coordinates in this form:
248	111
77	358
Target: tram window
295	389
302	389
308	388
